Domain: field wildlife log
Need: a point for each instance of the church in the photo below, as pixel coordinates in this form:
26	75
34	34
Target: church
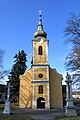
41	85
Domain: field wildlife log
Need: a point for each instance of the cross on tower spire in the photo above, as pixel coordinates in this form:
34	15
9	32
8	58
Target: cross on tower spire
40	19
40	32
40	15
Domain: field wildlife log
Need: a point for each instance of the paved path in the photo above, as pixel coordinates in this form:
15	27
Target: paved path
40	114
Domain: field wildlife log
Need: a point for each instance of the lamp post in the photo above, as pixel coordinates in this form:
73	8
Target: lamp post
70	109
7	109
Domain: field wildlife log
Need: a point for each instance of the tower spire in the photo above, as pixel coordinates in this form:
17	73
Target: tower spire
40	14
40	26
40	32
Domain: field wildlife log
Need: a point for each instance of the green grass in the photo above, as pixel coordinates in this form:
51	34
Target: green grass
70	118
1	107
12	117
11	105
15	117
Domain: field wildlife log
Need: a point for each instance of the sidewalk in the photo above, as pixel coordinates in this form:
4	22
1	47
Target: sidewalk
40	114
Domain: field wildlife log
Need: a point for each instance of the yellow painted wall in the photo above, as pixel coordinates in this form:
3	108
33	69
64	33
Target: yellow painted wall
38	59
37	71
36	95
25	95
56	100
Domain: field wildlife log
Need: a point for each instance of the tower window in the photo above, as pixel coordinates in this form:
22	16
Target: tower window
40	50
40	89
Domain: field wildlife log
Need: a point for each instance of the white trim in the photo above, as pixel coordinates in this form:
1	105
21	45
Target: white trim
48	103
33	51
40	81
40	66
48	73
32	95
32	73
47	52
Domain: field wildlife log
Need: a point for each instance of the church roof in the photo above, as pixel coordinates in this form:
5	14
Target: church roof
40	32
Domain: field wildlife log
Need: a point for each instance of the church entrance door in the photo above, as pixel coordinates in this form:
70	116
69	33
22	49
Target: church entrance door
40	103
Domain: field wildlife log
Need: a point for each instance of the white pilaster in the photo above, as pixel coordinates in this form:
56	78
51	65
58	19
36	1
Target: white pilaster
33	100
33	51
47	52
48	94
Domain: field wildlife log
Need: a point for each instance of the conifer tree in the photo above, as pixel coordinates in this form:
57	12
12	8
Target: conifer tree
18	69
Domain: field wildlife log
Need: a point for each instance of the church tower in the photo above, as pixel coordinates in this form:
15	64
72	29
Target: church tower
41	85
40	69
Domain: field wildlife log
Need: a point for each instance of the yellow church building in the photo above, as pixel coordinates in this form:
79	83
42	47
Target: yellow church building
41	86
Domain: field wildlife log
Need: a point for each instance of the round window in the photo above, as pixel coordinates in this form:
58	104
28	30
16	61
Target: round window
40	75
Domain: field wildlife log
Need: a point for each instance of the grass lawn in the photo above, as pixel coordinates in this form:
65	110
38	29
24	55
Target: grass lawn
12	117
70	118
15	117
22	117
1	107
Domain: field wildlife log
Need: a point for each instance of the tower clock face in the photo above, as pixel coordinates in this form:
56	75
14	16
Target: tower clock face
41	41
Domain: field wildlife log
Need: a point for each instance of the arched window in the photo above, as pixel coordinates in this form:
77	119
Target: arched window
40	89
40	50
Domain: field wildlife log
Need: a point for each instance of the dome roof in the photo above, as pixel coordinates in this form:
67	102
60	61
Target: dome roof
40	32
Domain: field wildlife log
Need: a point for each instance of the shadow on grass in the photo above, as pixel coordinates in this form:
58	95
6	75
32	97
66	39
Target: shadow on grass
70	118
14	117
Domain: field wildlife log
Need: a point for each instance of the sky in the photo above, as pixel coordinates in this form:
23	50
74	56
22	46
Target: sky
19	21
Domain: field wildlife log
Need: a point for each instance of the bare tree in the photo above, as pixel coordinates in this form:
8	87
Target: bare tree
3	72
72	33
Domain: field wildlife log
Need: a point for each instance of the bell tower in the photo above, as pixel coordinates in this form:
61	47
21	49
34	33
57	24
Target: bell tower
40	69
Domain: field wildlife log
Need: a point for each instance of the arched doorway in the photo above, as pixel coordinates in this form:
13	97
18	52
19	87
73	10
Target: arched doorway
40	103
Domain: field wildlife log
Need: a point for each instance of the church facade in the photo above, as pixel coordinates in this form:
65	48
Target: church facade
41	86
